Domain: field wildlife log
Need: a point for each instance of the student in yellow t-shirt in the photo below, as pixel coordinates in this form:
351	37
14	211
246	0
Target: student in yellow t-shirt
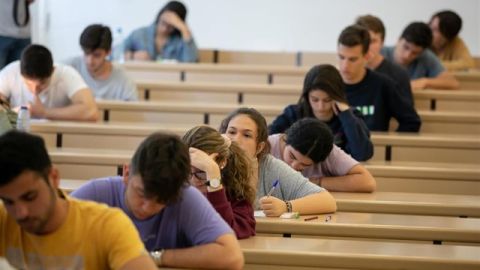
40	228
447	44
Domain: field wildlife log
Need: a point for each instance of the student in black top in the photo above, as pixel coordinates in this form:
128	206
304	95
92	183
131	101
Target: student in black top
373	94
377	62
323	97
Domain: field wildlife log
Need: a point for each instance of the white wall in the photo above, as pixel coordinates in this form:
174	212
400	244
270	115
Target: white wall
262	25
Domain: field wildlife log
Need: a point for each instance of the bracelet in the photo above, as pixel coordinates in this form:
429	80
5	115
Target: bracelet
289	206
157	256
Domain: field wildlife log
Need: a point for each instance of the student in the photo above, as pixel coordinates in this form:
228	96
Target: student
221	170
447	45
168	37
378	63
323	97
294	193
307	147
15	32
424	68
373	94
176	222
53	92
107	81
41	228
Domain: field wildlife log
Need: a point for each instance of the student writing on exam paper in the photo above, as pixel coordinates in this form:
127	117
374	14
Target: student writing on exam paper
294	193
307	147
221	171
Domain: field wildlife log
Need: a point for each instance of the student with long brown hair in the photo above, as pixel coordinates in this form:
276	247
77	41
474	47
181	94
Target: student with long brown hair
323	97
294	192
221	171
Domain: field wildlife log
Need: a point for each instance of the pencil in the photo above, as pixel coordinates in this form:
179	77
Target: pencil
311	218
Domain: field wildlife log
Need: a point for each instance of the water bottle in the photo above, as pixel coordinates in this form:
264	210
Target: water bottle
118	48
23	120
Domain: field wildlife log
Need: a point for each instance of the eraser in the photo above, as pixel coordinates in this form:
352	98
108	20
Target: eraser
292	215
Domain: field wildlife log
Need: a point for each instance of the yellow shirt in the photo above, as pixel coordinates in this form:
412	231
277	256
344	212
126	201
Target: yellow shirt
455	56
93	236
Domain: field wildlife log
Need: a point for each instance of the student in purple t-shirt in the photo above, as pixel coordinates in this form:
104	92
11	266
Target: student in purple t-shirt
307	146
176	222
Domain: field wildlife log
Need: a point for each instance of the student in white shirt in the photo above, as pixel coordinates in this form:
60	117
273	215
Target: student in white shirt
107	81
52	92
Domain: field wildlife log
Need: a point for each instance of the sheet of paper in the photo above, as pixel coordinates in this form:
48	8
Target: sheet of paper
258	213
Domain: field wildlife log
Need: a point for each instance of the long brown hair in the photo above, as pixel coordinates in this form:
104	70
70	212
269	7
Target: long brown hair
260	122
237	172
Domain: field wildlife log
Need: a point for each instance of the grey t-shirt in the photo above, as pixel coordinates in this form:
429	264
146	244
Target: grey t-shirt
117	87
427	64
292	184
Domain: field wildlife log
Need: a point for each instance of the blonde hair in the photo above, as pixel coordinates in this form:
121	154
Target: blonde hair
237	172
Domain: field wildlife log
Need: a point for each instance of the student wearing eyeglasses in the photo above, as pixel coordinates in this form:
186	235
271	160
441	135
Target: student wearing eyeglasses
221	171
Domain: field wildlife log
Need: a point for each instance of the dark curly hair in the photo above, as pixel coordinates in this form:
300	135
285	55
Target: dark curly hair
310	137
163	162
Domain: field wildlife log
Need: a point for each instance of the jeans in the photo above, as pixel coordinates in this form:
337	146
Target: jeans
11	49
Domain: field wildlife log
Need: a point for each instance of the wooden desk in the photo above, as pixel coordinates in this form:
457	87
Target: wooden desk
426	177
469	79
426	147
204	72
388	146
88	163
441	100
423	177
409	203
84	166
255	94
450	122
180	112
298	252
213	114
432	229
107	135
240	73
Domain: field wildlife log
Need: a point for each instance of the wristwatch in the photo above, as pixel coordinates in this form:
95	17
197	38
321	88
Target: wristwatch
157	256
214	183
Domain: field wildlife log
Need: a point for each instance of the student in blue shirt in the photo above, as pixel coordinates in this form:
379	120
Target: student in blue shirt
374	95
168	37
323	97
412	51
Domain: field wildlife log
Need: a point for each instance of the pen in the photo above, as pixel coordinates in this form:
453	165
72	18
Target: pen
311	218
275	184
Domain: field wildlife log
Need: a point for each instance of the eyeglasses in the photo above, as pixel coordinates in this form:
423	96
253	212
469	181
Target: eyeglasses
200	175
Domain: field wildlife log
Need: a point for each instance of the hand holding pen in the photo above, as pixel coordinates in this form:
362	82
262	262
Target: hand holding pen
275	184
272	206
